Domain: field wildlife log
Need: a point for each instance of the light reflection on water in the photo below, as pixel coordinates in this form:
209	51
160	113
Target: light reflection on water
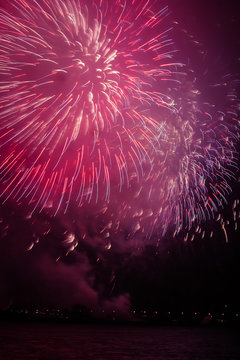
66	341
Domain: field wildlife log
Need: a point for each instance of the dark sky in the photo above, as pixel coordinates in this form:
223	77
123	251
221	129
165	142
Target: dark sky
202	274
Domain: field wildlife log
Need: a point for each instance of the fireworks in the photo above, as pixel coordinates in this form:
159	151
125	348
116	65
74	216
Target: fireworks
85	111
198	162
76	84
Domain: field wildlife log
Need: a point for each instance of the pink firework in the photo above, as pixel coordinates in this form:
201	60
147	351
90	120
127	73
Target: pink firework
78	79
195	164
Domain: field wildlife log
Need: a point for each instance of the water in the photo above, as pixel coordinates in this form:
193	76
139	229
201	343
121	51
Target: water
66	341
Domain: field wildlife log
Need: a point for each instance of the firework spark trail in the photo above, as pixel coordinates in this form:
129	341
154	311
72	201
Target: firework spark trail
75	87
193	168
83	117
195	165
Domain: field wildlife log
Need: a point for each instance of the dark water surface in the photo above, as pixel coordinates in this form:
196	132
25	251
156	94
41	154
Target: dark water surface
67	341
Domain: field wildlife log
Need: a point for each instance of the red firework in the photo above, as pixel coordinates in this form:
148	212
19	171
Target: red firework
77	81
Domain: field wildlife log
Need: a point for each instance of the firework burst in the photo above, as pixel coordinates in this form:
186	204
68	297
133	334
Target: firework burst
76	85
197	161
194	165
85	111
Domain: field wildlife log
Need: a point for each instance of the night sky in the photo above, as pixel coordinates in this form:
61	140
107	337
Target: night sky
48	261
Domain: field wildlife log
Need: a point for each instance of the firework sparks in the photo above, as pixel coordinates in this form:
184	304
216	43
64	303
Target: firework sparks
85	113
197	161
75	87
